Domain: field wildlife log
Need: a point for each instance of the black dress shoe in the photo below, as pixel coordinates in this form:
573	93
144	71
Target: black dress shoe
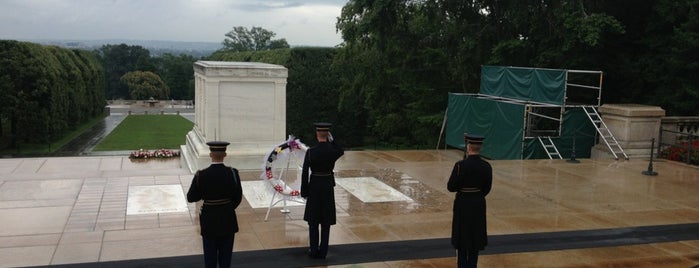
312	255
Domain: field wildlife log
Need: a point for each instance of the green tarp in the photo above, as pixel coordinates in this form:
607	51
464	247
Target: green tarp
576	126
502	123
526	84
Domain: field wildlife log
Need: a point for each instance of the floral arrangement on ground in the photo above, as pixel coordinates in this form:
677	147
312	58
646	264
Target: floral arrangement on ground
160	153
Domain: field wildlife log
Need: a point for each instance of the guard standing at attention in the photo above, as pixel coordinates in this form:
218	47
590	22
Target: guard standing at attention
220	188
471	179
317	186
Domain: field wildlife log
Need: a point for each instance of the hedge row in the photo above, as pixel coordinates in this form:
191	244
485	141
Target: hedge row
47	91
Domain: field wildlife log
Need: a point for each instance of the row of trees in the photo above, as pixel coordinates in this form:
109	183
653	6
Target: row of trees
388	82
170	76
400	58
167	77
46	91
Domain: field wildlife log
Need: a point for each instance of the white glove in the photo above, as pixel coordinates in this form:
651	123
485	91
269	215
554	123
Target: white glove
330	137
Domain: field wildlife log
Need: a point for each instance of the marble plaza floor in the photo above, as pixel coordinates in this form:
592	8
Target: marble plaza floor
100	209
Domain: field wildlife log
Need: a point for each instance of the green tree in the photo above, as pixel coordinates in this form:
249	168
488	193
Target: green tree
667	64
399	61
94	81
145	85
177	72
400	58
117	61
12	53
684	46
257	38
552	34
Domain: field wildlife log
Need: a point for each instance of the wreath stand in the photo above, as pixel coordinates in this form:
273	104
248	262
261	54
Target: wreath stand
284	197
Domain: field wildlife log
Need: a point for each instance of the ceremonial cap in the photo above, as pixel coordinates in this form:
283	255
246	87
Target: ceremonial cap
322	126
473	138
218	146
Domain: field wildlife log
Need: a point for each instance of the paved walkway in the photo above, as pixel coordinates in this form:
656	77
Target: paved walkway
67	210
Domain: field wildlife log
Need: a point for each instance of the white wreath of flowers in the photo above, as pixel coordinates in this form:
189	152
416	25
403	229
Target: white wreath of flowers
292	146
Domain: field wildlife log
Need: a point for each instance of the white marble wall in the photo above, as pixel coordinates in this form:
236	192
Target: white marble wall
243	103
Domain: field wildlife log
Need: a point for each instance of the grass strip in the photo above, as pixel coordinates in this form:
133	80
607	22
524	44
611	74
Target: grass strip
147	132
31	149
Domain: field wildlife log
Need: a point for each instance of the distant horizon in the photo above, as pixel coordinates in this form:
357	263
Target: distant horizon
157	48
122	40
107	39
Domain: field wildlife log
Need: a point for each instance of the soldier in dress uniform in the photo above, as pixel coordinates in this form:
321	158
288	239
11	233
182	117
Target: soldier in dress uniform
220	188
471	179
317	186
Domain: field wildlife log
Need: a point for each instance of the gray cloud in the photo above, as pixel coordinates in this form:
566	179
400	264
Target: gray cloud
263	5
266	5
300	22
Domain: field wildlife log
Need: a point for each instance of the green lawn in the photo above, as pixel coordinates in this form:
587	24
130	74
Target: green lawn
147	132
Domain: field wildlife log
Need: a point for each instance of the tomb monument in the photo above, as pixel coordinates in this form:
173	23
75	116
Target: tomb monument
243	103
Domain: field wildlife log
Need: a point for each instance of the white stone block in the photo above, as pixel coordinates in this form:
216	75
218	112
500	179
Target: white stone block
243	103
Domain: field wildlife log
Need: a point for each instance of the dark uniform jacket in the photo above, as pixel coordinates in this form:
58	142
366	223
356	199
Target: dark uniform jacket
471	179
220	188
318	182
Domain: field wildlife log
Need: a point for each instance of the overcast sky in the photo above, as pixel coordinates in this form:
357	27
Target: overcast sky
300	22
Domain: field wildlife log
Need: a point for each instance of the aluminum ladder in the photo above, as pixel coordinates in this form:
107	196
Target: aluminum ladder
605	134
549	147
